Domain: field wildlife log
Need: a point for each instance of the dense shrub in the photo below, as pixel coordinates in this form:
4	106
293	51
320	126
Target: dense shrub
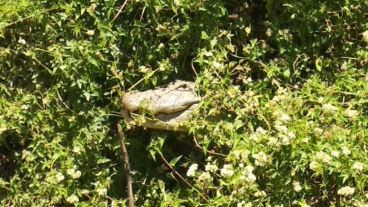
283	121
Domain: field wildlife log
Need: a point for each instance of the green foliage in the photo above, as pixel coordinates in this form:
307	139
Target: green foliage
283	120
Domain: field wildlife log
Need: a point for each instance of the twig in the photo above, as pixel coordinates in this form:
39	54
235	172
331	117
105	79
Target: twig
193	68
180	177
126	165
29	17
120	10
37	61
6	188
144	9
142	79
267	122
209	152
296	62
62	101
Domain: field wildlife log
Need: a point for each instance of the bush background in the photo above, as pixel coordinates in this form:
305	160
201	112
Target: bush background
283	119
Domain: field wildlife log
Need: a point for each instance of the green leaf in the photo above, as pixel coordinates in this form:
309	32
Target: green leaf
204	35
318	64
87	95
175	160
286	73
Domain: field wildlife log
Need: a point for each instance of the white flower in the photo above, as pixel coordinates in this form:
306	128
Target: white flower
314	165
72	199
260	130
22	41
249	168
284	117
91	9
85	192
346	191
351	113
329	108
335	154
291	135
90	32
272	141
318	130
161	46
211	168
248	30
192	169
248	80
26	153
358	166
260	194
143	69
255	137
177	2
261	159
323	157
243	204
268	32
59	177
281	128
227	170
75	174
77	150
208	54
345	151
296	186
217	65
240	204
250	177
102	191
360	204
257	134
205	177
287	138
365	36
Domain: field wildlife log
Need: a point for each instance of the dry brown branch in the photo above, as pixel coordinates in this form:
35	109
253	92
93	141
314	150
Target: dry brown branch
193	68
209	152
180	177
126	165
120	10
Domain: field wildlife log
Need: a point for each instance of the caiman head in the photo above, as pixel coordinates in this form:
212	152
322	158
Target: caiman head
171	104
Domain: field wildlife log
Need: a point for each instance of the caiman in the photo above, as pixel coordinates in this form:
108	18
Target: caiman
170	105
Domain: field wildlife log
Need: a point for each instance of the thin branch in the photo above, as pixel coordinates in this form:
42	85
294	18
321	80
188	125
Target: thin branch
6	188
193	68
62	101
265	119
39	62
120	10
126	165
180	177
29	17
296	62
144	9
142	79
209	152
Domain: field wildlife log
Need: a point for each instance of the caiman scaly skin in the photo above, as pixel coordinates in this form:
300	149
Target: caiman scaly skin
172	104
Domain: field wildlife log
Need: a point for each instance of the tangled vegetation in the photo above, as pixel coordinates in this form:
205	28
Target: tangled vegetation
283	120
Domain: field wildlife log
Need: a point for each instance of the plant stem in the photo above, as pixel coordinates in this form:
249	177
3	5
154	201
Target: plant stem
126	165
